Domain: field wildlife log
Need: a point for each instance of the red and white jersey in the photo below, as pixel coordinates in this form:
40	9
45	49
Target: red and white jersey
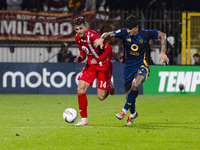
86	47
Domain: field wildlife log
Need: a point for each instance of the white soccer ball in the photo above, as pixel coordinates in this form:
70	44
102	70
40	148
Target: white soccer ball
70	115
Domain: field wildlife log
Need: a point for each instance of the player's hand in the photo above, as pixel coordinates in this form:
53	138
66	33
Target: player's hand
99	42
94	61
164	57
79	58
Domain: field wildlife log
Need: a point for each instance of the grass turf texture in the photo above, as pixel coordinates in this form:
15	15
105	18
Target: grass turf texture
35	122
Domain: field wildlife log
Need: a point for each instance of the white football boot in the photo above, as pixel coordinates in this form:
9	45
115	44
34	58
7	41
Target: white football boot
82	122
121	115
131	117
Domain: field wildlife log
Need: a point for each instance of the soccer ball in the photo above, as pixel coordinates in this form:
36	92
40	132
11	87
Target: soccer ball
70	115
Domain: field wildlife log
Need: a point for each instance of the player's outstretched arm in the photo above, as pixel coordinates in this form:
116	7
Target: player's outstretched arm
80	58
99	42
163	56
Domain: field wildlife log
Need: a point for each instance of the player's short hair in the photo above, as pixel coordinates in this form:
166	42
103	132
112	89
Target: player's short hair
79	21
131	22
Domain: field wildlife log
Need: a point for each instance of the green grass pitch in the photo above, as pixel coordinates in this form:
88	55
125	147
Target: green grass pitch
34	122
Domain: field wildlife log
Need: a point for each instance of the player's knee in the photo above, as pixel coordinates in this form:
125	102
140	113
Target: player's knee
137	82
101	97
80	90
135	87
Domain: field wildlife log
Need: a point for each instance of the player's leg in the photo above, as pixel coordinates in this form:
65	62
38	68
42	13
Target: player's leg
86	79
103	93
105	86
112	88
82	101
132	94
142	75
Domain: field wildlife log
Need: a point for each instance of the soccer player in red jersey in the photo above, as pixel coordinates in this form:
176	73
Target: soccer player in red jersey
98	65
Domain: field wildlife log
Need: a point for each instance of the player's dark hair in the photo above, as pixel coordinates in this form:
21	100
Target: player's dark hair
131	22
79	21
196	55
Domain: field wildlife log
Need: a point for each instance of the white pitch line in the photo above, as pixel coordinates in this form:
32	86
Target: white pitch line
136	127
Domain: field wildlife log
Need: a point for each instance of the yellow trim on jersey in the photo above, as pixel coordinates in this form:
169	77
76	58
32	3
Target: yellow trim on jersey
144	60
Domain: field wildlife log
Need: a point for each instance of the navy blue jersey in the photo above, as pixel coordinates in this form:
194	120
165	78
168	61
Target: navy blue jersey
135	49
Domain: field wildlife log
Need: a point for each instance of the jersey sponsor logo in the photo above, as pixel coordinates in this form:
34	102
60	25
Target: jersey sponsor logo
141	41
170	80
134	47
134	53
85	49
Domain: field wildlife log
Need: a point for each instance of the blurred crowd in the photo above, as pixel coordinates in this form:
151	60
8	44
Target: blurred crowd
129	6
75	6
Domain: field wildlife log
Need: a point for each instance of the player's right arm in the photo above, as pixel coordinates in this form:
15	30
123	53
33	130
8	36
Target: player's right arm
79	58
99	42
82	55
162	37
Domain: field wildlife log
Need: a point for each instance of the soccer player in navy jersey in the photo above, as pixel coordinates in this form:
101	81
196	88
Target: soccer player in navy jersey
136	69
98	65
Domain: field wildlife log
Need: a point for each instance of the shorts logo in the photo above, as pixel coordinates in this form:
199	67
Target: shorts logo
141	41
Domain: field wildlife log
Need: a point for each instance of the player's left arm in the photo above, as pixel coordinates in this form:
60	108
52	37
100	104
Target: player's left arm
163	56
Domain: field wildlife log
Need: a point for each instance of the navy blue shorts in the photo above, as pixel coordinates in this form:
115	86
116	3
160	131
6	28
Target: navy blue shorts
143	70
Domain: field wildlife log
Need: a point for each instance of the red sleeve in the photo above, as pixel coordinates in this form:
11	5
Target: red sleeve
94	35
82	53
108	49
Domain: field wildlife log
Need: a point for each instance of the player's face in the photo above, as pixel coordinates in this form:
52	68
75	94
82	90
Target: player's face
80	30
132	31
196	59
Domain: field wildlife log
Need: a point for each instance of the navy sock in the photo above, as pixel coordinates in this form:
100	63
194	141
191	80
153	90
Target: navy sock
130	101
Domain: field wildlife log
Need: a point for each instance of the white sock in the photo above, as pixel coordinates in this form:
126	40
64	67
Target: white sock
84	119
132	115
125	110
